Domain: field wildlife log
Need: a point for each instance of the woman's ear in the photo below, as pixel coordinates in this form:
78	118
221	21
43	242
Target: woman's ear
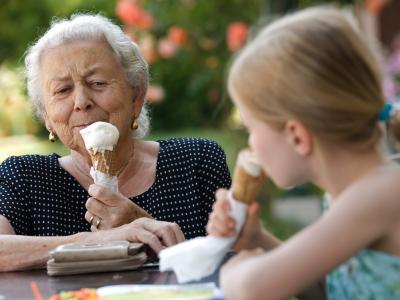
138	102
47	122
299	137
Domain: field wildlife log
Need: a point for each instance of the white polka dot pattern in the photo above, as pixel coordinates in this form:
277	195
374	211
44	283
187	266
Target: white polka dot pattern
40	198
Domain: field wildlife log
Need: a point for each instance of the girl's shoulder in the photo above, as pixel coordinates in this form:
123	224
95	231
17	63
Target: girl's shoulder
371	204
380	188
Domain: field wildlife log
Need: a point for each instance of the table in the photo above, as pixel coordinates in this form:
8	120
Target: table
17	285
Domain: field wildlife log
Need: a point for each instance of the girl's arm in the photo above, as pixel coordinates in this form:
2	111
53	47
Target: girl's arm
354	222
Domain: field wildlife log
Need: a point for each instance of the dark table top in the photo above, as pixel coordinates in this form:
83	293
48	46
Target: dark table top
17	285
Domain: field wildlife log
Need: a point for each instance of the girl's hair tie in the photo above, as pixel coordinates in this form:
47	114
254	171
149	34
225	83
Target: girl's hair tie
387	112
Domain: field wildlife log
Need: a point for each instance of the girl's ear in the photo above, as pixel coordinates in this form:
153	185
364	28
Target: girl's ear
299	137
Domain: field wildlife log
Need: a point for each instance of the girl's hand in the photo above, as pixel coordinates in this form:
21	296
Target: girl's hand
107	209
221	224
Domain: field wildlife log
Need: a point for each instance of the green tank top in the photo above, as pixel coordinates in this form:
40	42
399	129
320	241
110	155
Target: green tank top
369	275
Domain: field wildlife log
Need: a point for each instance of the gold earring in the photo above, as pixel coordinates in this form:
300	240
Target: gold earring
135	125
52	137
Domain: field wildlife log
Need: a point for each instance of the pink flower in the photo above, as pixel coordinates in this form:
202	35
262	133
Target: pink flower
155	93
132	14
167	48
236	35
390	89
394	63
178	35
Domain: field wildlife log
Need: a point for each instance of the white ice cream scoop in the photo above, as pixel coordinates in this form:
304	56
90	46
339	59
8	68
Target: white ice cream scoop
100	136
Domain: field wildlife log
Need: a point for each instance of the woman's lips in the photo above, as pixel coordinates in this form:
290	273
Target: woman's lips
86	124
81	126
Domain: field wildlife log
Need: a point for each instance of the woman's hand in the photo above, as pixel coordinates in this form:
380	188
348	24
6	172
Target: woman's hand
156	234
223	225
107	209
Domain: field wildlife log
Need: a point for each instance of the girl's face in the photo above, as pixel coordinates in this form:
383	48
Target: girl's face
274	150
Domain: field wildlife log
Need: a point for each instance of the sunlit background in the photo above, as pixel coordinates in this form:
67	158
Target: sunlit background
188	44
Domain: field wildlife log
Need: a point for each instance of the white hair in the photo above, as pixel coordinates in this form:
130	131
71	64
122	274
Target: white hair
89	27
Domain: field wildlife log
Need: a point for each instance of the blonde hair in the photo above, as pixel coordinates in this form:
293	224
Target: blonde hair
312	66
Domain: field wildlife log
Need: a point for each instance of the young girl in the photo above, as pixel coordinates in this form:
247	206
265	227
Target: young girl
309	92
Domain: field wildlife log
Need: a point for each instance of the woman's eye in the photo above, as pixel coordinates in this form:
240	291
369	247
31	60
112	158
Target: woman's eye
98	83
63	90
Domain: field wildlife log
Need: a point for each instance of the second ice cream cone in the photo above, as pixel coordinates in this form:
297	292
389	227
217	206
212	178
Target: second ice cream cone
248	177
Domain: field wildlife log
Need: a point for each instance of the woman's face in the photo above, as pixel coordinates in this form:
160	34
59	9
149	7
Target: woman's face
82	82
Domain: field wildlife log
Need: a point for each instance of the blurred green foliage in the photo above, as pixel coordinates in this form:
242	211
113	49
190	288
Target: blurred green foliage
23	21
15	113
194	79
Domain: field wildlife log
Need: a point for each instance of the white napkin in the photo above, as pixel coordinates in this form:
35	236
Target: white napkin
200	257
105	180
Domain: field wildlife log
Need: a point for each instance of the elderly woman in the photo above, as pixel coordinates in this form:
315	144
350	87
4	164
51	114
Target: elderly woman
81	71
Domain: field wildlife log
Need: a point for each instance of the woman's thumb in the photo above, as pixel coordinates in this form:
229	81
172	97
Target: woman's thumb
253	211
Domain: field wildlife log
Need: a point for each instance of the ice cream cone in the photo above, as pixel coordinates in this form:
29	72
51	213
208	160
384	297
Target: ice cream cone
100	140
104	162
248	177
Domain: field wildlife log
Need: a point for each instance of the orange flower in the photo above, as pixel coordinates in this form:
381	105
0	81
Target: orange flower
375	6
236	35
178	35
131	13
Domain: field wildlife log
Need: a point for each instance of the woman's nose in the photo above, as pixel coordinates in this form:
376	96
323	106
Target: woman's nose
83	101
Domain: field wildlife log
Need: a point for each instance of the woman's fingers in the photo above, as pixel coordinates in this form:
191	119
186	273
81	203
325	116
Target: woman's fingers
96	207
176	233
149	238
94	228
104	195
94	221
89	217
113	208
180	237
169	233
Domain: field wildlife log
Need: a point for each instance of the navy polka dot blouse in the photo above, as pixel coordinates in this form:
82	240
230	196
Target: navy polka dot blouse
40	198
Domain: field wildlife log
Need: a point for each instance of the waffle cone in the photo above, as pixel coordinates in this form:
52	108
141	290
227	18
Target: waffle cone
245	187
104	162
